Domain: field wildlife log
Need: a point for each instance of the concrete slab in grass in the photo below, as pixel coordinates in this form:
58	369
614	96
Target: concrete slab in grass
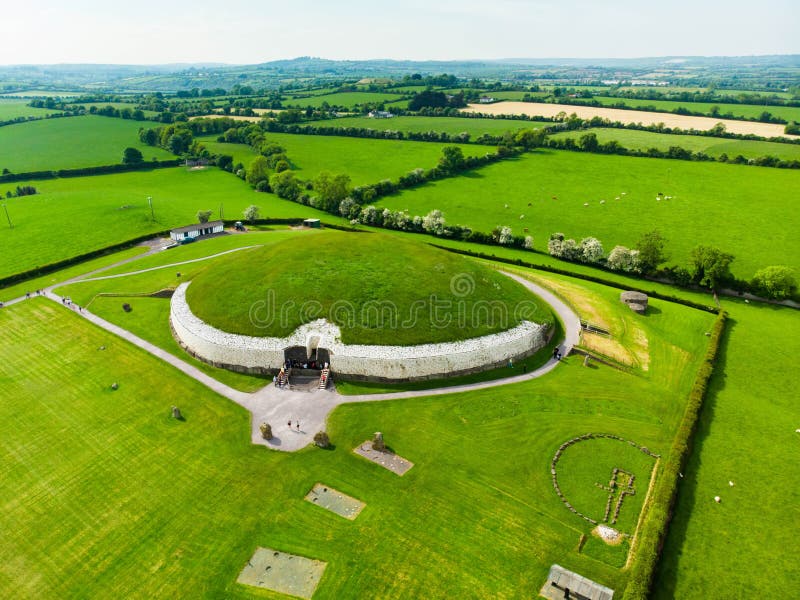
335	501
282	572
388	460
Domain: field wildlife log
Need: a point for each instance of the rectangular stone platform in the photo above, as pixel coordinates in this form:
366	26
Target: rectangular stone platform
388	460
335	501
281	572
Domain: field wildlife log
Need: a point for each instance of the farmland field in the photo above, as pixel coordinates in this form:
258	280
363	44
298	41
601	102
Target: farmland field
451	125
94	212
749	111
704	196
15	108
195	512
365	160
629	116
346	99
71	142
642	140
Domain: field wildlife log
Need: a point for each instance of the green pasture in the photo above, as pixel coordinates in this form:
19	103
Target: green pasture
642	140
68	217
345	99
746	434
70	143
730	206
451	125
13	108
749	111
132	490
365	160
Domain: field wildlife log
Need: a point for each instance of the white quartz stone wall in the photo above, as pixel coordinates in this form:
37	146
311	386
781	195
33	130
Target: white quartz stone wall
385	362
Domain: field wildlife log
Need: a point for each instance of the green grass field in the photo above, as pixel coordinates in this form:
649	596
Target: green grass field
642	140
452	125
383	291
131	490
733	207
365	160
70	143
95	212
746	434
12	108
749	111
345	99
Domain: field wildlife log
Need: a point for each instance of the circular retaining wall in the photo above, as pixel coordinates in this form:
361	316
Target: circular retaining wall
265	355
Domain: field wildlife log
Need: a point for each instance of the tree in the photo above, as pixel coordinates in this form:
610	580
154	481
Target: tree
258	170
623	259
251	213
452	159
775	282
433	222
131	156
591	250
651	251
530	138
331	189
203	216
710	266
285	185
588	142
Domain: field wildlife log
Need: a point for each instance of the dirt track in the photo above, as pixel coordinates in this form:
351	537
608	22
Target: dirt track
629	116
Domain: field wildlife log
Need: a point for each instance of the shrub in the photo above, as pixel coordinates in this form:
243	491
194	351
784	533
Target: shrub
322	440
776	282
591	250
623	259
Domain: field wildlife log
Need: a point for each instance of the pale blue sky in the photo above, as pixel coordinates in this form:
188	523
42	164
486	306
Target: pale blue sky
252	31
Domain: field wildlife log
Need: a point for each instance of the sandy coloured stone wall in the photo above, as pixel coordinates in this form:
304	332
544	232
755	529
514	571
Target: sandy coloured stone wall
426	361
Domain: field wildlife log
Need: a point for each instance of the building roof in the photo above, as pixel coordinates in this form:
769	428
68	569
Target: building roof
579	586
197	226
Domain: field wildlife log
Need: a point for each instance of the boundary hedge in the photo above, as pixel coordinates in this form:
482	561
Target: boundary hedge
83	171
659	510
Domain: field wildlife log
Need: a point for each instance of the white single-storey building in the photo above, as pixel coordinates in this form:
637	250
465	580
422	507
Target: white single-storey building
380	114
197	230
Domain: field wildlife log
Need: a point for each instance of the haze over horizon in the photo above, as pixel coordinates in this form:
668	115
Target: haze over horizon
251	32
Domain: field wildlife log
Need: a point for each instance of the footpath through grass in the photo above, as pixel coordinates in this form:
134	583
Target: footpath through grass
131	490
69	217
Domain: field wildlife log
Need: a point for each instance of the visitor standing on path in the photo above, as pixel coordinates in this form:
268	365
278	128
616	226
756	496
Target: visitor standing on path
298	426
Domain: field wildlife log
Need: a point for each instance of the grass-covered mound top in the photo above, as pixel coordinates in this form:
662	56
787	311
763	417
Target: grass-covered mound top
377	289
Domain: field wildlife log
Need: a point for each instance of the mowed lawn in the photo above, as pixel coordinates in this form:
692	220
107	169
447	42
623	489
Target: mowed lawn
643	140
451	125
68	217
70	143
131	491
744	546
365	160
737	208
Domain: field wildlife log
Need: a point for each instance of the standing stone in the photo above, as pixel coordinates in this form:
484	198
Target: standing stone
266	431
176	413
378	443
114	386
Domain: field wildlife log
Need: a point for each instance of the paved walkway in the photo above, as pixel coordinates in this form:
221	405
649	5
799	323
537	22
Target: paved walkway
278	406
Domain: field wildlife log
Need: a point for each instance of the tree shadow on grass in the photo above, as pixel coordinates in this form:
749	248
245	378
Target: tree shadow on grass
666	574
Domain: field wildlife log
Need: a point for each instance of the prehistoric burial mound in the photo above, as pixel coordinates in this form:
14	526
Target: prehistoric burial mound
373	306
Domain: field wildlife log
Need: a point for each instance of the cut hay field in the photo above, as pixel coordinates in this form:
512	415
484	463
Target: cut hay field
68	217
730	206
131	490
345	99
70	143
13	108
642	140
628	116
365	160
748	111
451	125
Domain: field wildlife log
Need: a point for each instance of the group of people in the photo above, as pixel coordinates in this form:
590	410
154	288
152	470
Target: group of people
297	364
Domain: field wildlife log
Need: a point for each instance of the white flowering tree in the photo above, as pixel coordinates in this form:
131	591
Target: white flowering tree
591	250
528	245
433	222
506	236
623	259
555	245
